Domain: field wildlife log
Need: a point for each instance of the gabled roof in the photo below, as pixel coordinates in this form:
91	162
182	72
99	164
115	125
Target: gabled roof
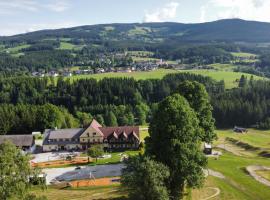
18	140
64	133
119	131
95	125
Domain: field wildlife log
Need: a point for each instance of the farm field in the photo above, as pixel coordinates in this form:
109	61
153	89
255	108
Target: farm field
237	184
228	76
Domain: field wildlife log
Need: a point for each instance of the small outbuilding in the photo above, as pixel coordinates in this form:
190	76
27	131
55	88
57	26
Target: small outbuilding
207	149
240	130
24	142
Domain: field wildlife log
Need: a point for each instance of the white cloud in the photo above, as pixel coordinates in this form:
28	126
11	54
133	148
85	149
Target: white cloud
203	14
14	6
13	29
245	9
58	6
168	12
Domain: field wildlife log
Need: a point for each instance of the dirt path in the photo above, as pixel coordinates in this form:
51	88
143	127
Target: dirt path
252	171
210	172
217	192
234	149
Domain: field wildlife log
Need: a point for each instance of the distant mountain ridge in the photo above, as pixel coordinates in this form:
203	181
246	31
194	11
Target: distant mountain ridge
227	30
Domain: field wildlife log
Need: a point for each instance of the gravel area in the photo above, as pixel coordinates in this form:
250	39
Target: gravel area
210	172
51	156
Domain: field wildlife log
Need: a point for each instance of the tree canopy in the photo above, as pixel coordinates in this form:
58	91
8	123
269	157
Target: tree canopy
145	179
175	141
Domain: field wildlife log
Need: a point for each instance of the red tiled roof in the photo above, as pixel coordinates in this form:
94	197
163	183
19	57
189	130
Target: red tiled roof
126	130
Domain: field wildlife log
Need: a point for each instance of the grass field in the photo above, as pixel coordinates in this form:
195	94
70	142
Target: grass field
15	50
228	76
243	54
253	137
67	46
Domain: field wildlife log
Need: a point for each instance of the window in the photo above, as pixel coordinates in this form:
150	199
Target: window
94	133
94	140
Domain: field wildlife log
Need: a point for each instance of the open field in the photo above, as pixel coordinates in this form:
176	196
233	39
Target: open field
223	67
253	137
243	54
228	76
67	46
17	48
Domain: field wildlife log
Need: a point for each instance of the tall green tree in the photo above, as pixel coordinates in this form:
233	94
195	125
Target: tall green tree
145	179
96	151
198	99
243	81
175	142
110	119
14	173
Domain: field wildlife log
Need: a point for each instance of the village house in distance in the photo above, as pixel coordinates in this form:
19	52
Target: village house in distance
124	137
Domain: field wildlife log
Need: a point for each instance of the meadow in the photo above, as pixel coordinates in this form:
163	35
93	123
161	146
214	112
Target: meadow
229	77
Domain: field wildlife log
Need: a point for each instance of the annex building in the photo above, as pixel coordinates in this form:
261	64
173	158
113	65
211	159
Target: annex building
123	137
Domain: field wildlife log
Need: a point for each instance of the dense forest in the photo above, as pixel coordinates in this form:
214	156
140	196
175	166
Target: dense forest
121	101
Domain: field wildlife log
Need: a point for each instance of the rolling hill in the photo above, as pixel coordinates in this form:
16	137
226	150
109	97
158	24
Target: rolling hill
232	30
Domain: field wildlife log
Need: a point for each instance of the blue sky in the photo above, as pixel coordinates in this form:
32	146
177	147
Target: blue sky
20	16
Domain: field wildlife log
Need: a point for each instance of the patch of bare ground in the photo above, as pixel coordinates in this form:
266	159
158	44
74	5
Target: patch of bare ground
252	171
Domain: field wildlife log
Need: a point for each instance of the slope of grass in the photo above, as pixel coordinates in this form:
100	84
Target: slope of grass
157	74
228	76
15	50
253	137
243	54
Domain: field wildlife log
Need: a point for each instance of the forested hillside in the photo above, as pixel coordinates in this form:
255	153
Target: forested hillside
111	46
121	101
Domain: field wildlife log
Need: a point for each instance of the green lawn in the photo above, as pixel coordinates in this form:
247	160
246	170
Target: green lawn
233	167
253	137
